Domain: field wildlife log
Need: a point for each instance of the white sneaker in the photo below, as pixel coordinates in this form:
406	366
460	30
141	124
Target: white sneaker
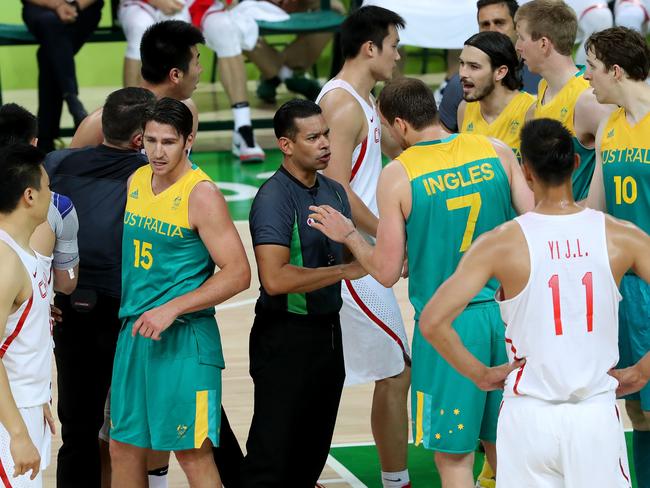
245	147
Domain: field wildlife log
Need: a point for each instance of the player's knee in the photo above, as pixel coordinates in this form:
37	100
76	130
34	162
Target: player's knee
193	460
596	19
395	385
640	420
222	36
446	460
630	15
120	452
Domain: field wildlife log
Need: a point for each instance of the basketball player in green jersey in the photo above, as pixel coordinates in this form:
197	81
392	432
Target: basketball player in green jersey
166	389
442	192
546	33
618	61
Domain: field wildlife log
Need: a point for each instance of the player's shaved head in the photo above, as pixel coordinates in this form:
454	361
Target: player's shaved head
547	149
124	113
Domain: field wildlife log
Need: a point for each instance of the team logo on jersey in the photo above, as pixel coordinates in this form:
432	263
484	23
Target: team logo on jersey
610	133
470	127
514	126
563	112
134	194
181	430
177	203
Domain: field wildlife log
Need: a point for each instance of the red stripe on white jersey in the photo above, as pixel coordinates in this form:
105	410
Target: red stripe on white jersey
362	154
18	328
519	373
4	477
373	317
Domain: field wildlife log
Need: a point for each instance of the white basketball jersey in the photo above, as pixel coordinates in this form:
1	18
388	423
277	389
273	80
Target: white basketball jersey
366	158
565	321
26	345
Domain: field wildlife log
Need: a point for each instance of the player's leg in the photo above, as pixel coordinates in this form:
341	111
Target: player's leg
224	36
593	456
389	421
198	465
135	17
527	445
631	14
448	408
593	18
634	342
129	465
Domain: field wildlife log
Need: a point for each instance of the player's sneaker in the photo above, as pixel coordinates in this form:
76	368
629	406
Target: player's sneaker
307	87
245	147
267	89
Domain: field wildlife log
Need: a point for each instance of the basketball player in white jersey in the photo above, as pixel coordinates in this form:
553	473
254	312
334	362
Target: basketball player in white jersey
26	422
633	14
559	267
375	346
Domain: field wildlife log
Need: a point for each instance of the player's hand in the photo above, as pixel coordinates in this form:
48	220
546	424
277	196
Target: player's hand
168	7
405	266
49	418
56	313
630	380
25	455
330	222
153	322
353	271
67	13
494	378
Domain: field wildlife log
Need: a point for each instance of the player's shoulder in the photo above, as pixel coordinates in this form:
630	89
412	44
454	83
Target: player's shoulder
502	240
341	104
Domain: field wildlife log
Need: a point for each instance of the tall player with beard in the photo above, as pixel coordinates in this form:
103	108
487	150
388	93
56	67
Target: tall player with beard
374	339
494	104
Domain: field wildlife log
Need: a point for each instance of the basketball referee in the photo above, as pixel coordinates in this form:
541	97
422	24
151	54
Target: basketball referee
296	355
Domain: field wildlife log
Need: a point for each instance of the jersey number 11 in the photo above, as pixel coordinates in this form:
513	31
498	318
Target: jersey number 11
554	285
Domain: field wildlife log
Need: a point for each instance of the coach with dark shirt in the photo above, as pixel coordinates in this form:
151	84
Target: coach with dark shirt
95	180
296	355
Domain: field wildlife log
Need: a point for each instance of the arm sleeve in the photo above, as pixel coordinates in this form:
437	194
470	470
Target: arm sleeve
451	99
63	219
272	216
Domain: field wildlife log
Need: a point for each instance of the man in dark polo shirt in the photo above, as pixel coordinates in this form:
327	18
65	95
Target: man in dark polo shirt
296	355
95	180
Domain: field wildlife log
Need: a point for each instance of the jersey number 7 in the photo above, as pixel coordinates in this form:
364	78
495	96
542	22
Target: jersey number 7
473	201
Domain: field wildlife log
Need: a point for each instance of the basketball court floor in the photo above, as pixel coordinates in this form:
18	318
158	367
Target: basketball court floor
353	460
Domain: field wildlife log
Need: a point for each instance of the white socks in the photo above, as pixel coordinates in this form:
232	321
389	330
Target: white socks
398	479
285	72
241	114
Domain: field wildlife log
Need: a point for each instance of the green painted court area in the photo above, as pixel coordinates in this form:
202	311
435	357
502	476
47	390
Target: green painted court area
362	462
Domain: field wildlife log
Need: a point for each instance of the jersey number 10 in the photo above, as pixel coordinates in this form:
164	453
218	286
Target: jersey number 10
554	285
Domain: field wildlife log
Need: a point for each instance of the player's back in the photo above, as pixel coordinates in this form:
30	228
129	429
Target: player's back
459	190
564	321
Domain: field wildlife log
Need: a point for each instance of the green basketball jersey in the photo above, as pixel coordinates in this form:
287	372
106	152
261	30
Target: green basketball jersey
162	256
626	168
459	190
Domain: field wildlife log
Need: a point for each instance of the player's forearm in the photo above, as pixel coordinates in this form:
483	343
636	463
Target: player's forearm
446	341
296	279
368	258
10	417
65	280
643	366
362	217
226	283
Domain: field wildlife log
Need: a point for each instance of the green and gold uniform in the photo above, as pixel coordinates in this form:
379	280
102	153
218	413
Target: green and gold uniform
562	108
625	152
166	395
506	127
459	190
